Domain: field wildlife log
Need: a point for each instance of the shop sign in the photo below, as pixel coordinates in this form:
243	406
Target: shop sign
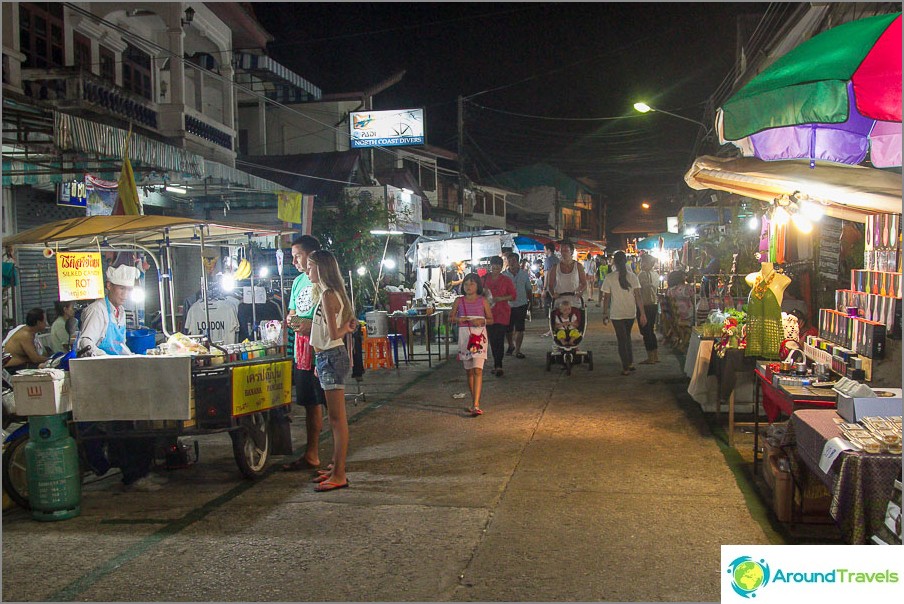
80	276
259	387
393	128
73	193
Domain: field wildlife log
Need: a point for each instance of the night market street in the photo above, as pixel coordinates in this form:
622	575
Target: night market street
590	487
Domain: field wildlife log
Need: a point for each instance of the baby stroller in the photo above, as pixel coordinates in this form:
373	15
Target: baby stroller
566	340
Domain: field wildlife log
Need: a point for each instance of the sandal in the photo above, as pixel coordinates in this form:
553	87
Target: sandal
519	355
475	411
298	465
328	485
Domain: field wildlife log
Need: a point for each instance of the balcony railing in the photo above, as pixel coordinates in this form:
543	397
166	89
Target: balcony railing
201	129
73	88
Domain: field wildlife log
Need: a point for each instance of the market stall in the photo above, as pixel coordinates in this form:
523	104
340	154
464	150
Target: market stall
817	130
183	385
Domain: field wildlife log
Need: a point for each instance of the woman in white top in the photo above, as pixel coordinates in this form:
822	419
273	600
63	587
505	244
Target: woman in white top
567	276
332	320
621	303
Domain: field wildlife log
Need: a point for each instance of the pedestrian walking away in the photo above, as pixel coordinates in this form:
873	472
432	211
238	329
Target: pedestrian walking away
621	303
472	313
649	286
500	290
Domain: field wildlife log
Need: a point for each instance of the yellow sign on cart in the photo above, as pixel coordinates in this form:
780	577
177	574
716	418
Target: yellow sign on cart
80	275
261	386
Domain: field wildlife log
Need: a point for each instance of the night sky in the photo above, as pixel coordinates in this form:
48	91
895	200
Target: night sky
566	61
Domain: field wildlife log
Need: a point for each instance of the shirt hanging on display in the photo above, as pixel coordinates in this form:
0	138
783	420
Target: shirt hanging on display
224	321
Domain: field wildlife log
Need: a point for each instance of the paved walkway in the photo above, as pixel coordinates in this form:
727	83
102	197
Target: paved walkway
593	487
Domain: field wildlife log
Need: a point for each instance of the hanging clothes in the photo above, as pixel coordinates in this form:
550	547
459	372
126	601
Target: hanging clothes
764	320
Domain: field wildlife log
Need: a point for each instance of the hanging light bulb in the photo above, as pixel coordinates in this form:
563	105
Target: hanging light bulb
361	271
802	223
780	216
754	223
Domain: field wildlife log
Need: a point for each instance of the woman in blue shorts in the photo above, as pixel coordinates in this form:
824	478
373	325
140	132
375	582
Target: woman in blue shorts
332	319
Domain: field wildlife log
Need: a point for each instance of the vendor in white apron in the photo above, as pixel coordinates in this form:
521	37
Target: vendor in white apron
104	333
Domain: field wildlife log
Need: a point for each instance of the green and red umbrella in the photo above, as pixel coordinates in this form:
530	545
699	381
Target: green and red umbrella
836	97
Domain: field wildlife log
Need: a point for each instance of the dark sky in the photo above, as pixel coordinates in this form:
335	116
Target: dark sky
565	61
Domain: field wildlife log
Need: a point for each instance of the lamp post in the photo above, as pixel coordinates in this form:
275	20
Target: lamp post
644	108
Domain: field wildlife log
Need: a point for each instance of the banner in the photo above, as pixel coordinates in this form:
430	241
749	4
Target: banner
101	195
288	207
259	387
129	203
72	193
80	276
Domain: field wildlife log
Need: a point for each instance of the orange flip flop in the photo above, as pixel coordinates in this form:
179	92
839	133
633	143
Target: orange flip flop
328	485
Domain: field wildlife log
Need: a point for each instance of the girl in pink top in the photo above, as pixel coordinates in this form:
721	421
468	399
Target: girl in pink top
471	312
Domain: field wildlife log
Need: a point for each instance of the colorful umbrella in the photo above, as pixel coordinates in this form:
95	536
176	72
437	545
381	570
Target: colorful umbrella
836	97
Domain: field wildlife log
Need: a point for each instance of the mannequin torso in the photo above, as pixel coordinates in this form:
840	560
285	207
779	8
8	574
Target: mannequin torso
768	278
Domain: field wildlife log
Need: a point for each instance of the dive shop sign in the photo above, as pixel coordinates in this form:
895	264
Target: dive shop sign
80	276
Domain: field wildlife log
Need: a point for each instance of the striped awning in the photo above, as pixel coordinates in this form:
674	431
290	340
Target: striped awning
264	67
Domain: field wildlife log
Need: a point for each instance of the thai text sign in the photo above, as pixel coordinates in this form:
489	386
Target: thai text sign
394	128
80	275
262	386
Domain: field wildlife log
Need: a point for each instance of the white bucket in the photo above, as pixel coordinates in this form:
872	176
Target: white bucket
377	323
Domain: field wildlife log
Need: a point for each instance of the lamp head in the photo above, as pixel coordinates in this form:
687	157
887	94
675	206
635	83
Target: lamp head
642	107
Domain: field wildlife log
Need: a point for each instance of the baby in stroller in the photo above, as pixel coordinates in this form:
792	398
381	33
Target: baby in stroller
566	322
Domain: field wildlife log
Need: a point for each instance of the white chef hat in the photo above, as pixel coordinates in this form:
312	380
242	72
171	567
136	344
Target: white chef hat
123	275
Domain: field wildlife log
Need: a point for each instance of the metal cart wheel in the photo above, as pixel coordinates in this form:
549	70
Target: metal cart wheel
589	361
251	445
548	360
568	359
15	480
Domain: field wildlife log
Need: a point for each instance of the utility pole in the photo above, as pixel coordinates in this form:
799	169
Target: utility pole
461	164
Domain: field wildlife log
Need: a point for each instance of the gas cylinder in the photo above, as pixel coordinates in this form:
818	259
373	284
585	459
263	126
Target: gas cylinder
52	469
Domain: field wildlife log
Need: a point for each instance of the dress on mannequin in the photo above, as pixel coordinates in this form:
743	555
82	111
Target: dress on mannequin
764	311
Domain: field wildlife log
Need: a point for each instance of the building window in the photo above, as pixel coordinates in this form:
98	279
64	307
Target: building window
499	200
480	202
41	34
81	47
136	71
107	64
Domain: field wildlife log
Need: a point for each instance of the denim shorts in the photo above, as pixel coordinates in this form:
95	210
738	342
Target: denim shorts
333	367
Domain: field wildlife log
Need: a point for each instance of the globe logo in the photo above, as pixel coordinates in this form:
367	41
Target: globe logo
748	575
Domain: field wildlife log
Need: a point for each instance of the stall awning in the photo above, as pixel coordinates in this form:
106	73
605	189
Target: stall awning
145	230
283	78
849	191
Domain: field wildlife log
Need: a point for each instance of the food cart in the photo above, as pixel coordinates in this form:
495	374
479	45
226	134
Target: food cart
167	394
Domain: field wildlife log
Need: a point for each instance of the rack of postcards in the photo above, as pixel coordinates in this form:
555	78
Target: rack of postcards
854	333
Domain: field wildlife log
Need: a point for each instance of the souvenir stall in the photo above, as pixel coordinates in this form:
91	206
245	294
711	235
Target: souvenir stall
178	385
837	384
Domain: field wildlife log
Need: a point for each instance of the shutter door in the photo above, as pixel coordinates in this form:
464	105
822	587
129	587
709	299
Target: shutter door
37	275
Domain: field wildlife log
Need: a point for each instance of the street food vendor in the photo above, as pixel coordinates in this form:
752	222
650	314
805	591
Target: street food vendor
104	320
104	333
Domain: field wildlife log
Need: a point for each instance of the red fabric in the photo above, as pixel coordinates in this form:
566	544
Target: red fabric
304	353
501	286
877	82
774	404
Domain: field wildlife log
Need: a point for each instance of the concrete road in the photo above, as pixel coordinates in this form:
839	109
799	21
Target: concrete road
589	487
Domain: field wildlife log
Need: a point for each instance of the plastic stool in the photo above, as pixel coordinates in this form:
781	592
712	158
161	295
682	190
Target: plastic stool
376	353
394	339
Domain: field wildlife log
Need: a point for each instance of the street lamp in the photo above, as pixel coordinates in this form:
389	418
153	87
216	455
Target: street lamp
644	108
645	205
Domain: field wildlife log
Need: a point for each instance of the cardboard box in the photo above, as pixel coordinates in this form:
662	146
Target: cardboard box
854	409
41	395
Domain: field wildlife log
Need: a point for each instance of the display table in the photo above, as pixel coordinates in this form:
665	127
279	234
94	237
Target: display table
782	400
431	332
861	483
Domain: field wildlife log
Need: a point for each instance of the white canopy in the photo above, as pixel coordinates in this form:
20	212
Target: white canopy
850	192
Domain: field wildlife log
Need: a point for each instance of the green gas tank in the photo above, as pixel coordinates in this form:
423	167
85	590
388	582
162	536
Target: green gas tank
52	469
